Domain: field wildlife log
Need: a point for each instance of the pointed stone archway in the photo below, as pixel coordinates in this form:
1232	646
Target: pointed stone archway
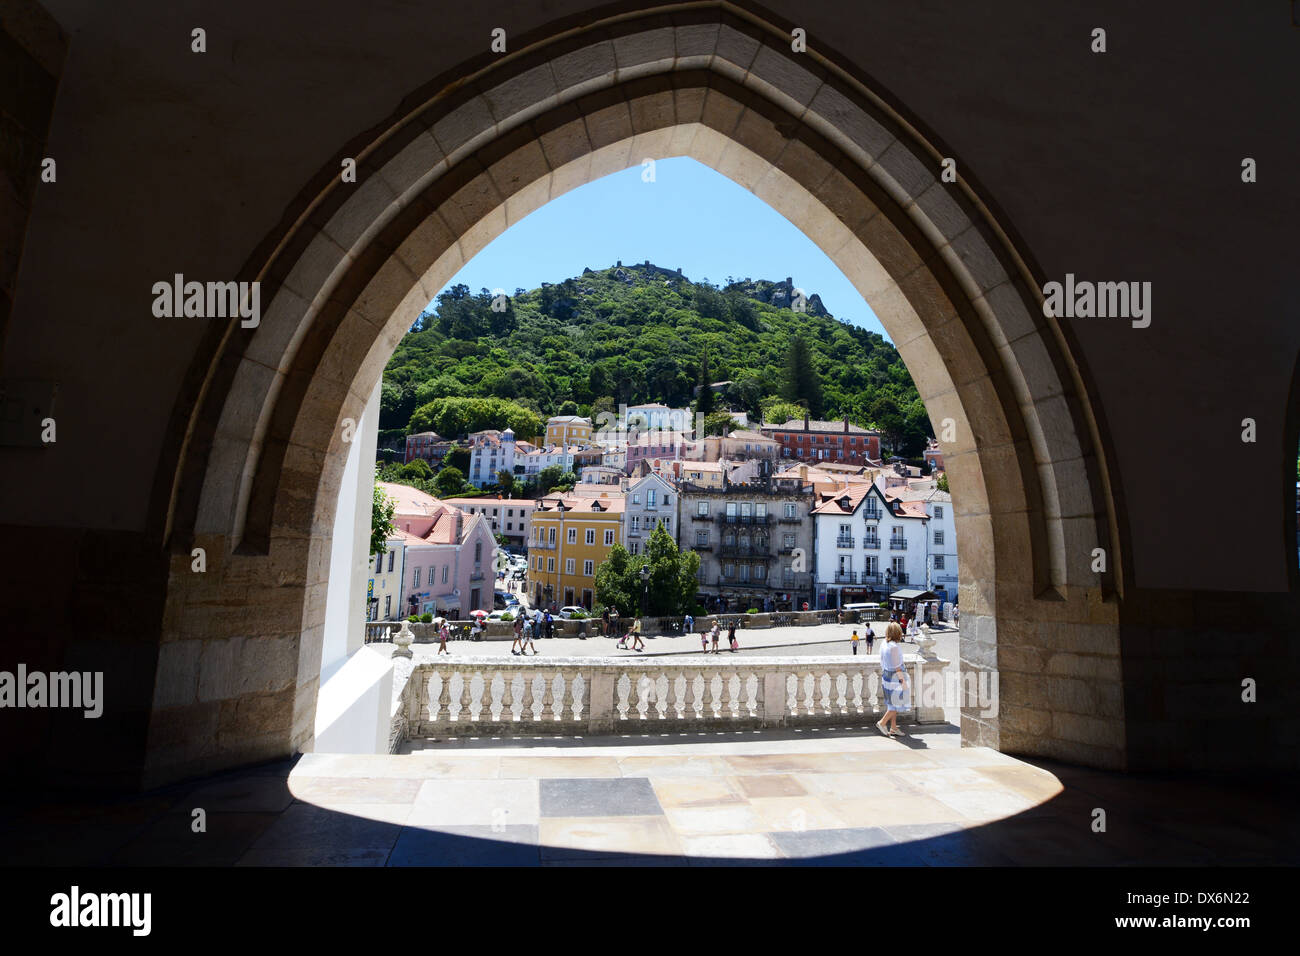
258	462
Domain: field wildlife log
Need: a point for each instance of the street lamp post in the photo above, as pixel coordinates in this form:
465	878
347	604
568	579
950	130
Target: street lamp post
645	589
889	586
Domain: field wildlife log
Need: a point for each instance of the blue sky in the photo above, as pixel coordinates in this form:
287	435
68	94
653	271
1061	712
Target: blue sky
690	217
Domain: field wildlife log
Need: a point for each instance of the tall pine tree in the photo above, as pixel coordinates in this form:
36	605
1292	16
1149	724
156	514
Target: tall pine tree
802	383
704	403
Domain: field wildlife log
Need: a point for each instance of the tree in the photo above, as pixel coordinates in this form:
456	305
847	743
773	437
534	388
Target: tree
719	423
450	482
457	457
942	481
506	482
549	477
381	521
672	584
704	402
777	411
802	383
418	469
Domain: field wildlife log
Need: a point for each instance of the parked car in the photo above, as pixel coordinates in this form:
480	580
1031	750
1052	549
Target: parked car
567	613
502	615
501	600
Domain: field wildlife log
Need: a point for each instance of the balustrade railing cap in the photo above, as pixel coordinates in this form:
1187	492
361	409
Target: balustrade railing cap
671	661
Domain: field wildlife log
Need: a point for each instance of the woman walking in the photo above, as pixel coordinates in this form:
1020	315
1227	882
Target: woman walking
519	633
530	630
716	633
893	678
637	643
443	633
731	636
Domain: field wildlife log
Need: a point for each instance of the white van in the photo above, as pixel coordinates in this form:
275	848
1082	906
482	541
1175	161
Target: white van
869	607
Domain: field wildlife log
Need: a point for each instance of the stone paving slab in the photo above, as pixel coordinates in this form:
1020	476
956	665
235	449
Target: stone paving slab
839	797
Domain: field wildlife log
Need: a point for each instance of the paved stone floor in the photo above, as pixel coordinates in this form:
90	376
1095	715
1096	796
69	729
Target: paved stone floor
830	797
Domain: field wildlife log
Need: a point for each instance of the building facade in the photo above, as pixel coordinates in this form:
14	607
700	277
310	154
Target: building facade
816	441
571	536
430	446
511	517
867	545
567	430
755	543
651	500
491	452
446	555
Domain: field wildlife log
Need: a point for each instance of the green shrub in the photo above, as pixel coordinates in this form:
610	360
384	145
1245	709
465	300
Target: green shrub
507	617
413	619
426	618
579	616
752	610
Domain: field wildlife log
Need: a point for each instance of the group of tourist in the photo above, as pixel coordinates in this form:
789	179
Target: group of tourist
531	625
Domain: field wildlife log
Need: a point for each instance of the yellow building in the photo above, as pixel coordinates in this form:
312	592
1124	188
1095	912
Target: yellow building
571	536
565	430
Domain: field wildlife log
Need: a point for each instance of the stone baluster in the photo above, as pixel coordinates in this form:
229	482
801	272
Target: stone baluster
507	696
855	685
443	715
664	698
695	693
747	708
792	690
526	714
463	714
548	697
717	686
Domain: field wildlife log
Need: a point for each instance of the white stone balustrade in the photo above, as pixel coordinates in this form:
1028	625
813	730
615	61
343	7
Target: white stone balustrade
477	696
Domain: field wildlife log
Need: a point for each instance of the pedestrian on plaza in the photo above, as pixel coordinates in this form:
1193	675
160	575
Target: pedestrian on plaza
443	634
839	615
704	639
716	633
637	643
690	623
549	632
893	679
519	633
871	638
855	642
731	636
955	614
604	622
530	631
613	620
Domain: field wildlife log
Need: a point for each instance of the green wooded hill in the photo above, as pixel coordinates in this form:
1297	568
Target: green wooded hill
634	334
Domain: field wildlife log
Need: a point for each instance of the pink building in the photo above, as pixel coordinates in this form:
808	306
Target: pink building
447	555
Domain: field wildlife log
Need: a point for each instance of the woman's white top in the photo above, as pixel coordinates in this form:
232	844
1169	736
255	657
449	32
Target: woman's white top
891	656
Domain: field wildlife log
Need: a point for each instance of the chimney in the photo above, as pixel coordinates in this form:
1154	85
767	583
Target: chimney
460	524
619	263
805	419
846	424
789	281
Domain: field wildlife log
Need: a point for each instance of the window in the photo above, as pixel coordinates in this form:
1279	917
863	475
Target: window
744	572
550	537
591	536
636	523
609	537
446	569
938	511
789	510
938	537
668	499
872	565
573	536
569	565
388	607
787	541
731	509
729	540
760	510
416	583
636	498
634	547
701	539
650	498
845	530
588	568
391	555
897	565
728	570
760	572
379	563
938	562
550	565
746	508
478	551
702	508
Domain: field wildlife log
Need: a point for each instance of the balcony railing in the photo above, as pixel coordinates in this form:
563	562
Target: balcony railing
747	519
846	577
746	550
790	519
871	544
897	544
844	541
872	514
483	695
700	517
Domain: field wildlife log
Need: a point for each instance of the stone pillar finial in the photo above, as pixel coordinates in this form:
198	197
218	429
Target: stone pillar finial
403	639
